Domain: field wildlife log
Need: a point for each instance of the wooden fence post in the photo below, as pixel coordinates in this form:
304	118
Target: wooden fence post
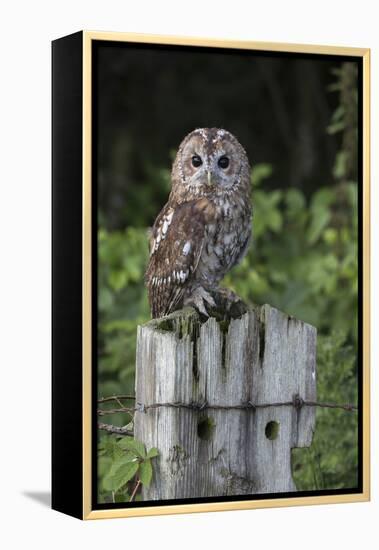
210	398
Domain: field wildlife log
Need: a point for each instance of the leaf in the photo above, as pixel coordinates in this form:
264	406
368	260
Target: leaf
104	463
338	113
320	213
124	442
105	299
152	453
330	236
145	472
274	221
127	456
322	198
119	461
319	221
134	446
340	165
110	447
267	212
122	497
335	128
117	279
260	172
116	479
295	201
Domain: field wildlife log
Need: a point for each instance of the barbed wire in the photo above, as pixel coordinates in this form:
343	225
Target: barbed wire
297	402
119	430
116	398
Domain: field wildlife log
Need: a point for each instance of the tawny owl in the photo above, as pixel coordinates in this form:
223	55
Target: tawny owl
204	229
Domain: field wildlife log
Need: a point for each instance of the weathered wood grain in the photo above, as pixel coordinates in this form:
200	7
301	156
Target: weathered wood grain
263	357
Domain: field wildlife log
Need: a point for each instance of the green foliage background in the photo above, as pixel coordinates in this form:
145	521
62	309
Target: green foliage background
303	260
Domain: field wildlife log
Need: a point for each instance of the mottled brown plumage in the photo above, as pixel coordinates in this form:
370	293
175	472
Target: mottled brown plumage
204	229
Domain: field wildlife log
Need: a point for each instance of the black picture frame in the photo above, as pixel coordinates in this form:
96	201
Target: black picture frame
74	274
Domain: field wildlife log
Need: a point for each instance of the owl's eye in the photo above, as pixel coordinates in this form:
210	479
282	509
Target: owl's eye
196	161
223	162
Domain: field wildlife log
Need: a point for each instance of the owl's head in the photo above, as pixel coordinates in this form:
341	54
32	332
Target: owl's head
209	162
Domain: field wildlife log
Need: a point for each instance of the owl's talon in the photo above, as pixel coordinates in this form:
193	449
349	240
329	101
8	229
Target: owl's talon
228	295
199	305
199	299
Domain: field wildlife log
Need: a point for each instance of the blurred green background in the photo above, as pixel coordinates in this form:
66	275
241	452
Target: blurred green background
297	118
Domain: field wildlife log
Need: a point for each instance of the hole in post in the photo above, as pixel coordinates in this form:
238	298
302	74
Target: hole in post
205	428
272	430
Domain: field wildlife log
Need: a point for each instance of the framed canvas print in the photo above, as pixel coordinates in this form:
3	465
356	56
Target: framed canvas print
210	275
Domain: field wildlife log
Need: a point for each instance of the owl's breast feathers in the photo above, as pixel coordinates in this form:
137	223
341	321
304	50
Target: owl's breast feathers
187	241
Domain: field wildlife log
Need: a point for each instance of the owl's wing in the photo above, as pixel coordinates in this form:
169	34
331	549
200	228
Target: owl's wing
175	248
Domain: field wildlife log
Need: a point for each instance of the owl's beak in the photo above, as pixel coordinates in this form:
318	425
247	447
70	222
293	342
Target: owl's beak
209	178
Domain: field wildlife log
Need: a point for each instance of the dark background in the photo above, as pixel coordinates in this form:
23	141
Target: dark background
297	117
278	106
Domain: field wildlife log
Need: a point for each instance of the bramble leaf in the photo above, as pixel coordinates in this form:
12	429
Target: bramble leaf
145	472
